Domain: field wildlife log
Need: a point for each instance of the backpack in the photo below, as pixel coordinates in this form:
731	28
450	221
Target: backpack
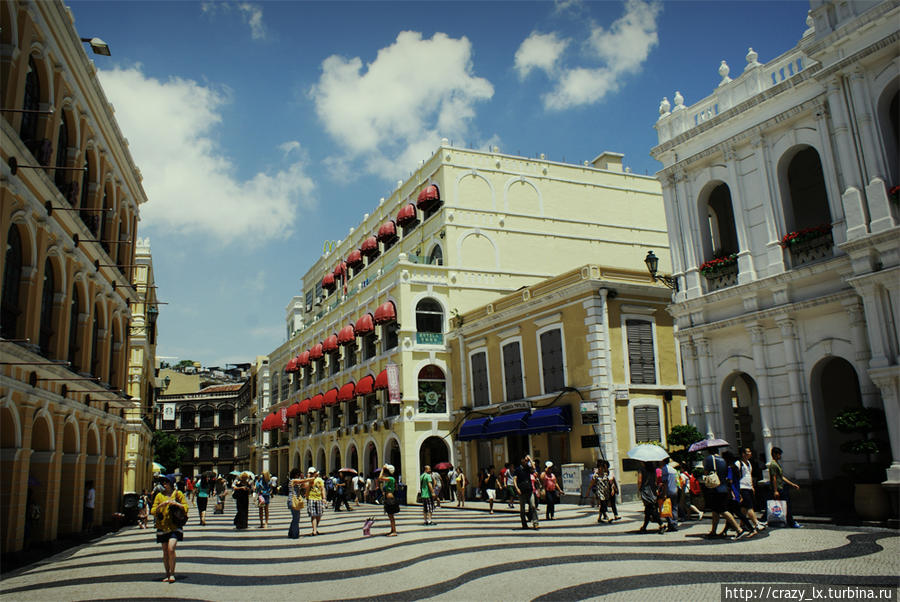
694	485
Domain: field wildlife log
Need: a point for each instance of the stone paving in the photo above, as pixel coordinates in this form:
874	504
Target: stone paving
468	555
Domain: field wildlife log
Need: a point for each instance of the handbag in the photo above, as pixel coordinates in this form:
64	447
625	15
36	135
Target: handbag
776	512
666	509
297	502
711	480
178	515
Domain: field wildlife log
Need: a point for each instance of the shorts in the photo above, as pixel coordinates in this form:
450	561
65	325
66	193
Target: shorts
747	499
165	537
491	494
715	501
264	498
392	507
427	505
201	503
314	508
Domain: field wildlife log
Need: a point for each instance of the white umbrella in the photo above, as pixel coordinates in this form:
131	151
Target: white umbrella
647	452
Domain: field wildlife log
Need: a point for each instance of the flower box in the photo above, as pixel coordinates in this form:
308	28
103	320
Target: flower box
794	238
719	265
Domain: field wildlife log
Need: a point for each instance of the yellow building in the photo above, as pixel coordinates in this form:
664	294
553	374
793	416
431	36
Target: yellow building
571	369
465	229
69	199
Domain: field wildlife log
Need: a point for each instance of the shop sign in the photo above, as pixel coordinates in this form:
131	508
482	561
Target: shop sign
168	411
514	406
393	378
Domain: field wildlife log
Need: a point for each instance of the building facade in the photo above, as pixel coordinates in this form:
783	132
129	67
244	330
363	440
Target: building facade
785	239
575	368
70	194
364	377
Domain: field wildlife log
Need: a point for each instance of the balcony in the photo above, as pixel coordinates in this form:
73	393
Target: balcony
720	272
813	248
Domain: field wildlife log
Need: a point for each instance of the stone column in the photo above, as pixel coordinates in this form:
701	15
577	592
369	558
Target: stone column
711	402
889	384
697	416
746	269
774	218
851	195
692	239
758	340
794	369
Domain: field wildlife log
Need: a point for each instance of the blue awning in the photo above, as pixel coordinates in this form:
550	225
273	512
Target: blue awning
473	429
557	419
506	424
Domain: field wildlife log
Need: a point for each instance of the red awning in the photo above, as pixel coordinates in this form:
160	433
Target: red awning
365	385
355	258
381	381
273	420
331	397
265	423
330	344
340	269
385	313
317	402
328	281
347	335
387	231
316	352
407	214
304	406
303	359
293	410
369	247
291	365
429	196
365	324
347	392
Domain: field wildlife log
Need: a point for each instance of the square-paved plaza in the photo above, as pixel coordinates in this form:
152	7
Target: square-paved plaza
468	555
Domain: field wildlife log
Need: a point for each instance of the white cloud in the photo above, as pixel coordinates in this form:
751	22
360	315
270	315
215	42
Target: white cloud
539	51
288	147
189	180
252	15
394	111
608	55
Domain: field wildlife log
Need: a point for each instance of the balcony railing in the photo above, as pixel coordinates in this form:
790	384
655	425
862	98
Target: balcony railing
812	250
721	278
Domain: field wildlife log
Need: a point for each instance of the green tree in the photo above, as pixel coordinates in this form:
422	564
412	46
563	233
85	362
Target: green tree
683	435
184	364
166	450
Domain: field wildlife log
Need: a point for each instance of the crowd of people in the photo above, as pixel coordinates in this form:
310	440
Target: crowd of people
725	485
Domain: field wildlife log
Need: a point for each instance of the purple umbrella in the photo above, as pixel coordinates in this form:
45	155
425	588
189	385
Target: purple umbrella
708	443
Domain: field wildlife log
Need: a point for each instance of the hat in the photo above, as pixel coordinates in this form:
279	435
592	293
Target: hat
390	468
548	463
170	478
311	470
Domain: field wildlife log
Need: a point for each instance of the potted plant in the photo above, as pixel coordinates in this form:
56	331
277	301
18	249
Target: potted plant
869	499
722	262
800	236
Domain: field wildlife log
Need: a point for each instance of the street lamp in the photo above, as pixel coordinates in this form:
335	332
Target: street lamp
652	262
97	45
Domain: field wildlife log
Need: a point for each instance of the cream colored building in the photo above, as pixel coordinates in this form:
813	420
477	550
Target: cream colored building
70	194
570	369
465	229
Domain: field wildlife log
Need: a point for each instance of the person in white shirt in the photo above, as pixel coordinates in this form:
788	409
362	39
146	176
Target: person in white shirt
273	485
89	500
747	487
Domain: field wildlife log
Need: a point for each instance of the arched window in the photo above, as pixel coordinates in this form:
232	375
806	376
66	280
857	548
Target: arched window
30	102
12	277
85	184
113	373
206	447
432	390
226	448
62	151
207	417
187	419
429	316
95	343
188	444
806	196
47	295
720	218
74	311
100	223
226	416
437	256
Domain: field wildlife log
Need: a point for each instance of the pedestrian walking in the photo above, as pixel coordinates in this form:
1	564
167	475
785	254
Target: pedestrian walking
490	488
461	482
241	492
372	489
315	499
342	492
601	489
715	492
90	497
669	488
525	491
551	489
778	482
733	495
189	489
508	478
221	488
168	531
747	488
358	488
649	489
389	488
296	500
202	489
273	487
613	489
426	492
263	497
143	509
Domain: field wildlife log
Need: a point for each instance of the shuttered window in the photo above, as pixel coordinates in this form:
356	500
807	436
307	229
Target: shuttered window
512	370
552	361
641	359
646	424
481	394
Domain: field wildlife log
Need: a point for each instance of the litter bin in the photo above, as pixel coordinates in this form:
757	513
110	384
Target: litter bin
130	508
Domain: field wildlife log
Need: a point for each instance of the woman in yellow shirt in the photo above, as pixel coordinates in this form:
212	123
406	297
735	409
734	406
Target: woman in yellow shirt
315	499
167	532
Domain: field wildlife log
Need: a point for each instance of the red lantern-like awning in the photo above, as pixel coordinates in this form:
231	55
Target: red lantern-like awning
303	359
369	247
347	392
304	406
291	365
317	402
429	196
330	344
293	410
387	231
355	258
328	281
381	382
407	214
346	335
365	325
365	386
331	397
385	313
340	269
316	352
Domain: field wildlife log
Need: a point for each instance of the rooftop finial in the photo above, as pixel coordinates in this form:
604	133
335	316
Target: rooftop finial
751	59
724	70
664	107
679	101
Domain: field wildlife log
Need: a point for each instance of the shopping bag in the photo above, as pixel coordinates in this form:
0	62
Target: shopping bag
368	525
665	510
776	512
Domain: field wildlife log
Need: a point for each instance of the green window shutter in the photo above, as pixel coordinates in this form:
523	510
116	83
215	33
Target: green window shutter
552	360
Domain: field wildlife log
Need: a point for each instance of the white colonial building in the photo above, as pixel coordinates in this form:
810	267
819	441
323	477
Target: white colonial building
784	238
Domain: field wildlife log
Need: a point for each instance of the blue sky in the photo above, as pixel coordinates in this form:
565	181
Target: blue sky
263	129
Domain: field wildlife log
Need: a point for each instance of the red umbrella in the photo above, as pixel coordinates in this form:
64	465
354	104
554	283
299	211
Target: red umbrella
442	466
351	470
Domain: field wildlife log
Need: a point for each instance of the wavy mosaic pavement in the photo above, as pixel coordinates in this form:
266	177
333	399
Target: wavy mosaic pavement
468	555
